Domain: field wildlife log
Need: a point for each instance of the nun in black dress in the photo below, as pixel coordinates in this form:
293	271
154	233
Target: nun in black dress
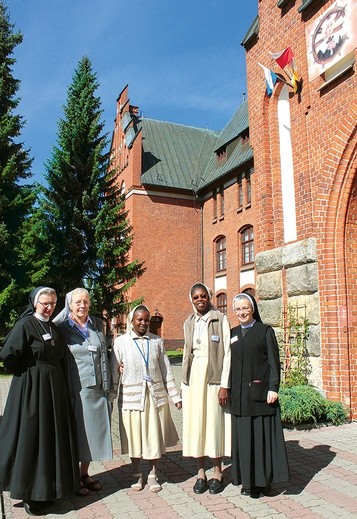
258	447
38	453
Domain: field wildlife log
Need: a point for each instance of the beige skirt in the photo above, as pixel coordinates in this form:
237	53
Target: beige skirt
206	425
146	434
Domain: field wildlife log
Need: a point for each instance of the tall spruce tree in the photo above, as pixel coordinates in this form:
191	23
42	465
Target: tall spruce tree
16	197
86	229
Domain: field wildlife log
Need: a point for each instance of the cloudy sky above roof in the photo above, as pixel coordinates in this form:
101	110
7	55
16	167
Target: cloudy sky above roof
182	60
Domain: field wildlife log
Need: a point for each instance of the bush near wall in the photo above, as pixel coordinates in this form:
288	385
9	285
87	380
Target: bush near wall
305	405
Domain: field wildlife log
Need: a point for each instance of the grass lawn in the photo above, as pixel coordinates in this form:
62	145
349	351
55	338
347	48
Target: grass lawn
174	354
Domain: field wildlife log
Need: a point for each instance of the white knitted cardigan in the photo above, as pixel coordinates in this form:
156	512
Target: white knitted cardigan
131	383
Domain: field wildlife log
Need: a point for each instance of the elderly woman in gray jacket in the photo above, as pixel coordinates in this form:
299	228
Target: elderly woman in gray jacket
89	374
141	369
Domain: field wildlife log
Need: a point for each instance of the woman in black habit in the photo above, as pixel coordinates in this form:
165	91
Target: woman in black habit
38	459
258	447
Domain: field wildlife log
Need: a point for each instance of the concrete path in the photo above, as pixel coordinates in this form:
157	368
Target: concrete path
323	465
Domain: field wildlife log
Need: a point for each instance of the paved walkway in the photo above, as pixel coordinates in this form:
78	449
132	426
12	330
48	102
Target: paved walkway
323	465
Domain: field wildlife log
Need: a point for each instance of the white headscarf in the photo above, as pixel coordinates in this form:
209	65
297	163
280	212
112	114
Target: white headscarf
130	316
209	292
244	295
62	316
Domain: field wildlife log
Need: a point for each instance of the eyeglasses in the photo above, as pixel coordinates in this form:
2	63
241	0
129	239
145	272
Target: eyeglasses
243	309
47	305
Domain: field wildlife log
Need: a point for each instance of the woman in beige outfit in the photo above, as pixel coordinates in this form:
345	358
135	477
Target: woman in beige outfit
205	379
141	369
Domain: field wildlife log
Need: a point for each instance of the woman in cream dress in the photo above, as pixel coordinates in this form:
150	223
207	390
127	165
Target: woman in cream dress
142	373
205	379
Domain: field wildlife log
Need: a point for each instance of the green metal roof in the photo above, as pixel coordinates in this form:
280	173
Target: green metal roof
241	153
237	124
174	155
252	32
182	157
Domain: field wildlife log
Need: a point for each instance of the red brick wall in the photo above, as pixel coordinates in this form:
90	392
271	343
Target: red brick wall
229	225
166	237
323	133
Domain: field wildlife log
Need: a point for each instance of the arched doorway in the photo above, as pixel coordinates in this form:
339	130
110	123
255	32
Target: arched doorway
351	275
155	323
338	267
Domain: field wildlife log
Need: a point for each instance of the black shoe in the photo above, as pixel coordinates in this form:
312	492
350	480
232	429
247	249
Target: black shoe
33	508
268	491
245	491
215	486
256	492
200	486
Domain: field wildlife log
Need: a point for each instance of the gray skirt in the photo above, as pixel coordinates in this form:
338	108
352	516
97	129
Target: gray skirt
92	410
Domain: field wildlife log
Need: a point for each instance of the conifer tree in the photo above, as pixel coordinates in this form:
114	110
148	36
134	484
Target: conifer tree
87	231
16	197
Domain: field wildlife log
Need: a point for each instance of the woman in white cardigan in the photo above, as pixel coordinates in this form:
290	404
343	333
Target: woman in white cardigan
141	369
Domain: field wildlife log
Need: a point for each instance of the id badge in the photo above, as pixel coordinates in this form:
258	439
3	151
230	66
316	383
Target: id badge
46	337
234	339
147	378
92	348
215	338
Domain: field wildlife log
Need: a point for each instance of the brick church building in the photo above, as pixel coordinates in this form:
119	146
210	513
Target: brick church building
269	203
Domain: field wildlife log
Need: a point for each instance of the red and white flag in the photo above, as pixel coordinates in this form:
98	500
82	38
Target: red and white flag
284	57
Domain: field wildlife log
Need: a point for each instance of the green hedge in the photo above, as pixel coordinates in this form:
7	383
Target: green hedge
305	405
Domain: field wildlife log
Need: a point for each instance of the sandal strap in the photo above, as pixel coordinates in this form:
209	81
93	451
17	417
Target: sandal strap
154	485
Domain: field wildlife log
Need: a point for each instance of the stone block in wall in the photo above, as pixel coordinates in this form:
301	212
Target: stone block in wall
315	377
269	285
299	253
307	306
270	311
302	279
268	261
313	341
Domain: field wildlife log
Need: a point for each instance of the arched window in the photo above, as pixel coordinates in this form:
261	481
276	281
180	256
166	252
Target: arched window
247	240
221	259
222	303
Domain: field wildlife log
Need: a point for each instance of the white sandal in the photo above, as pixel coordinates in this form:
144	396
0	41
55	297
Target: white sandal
139	484
153	483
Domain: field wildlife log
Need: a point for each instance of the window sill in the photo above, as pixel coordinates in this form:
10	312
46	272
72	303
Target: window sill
248	205
247	266
240	209
337	76
221	273
221	218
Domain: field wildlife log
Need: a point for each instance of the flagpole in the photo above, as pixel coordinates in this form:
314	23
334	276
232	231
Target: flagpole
281	78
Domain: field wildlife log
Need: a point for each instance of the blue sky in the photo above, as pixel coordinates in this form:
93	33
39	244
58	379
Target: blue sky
182	60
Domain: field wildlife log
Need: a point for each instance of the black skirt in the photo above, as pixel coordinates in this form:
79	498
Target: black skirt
38	443
258	451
